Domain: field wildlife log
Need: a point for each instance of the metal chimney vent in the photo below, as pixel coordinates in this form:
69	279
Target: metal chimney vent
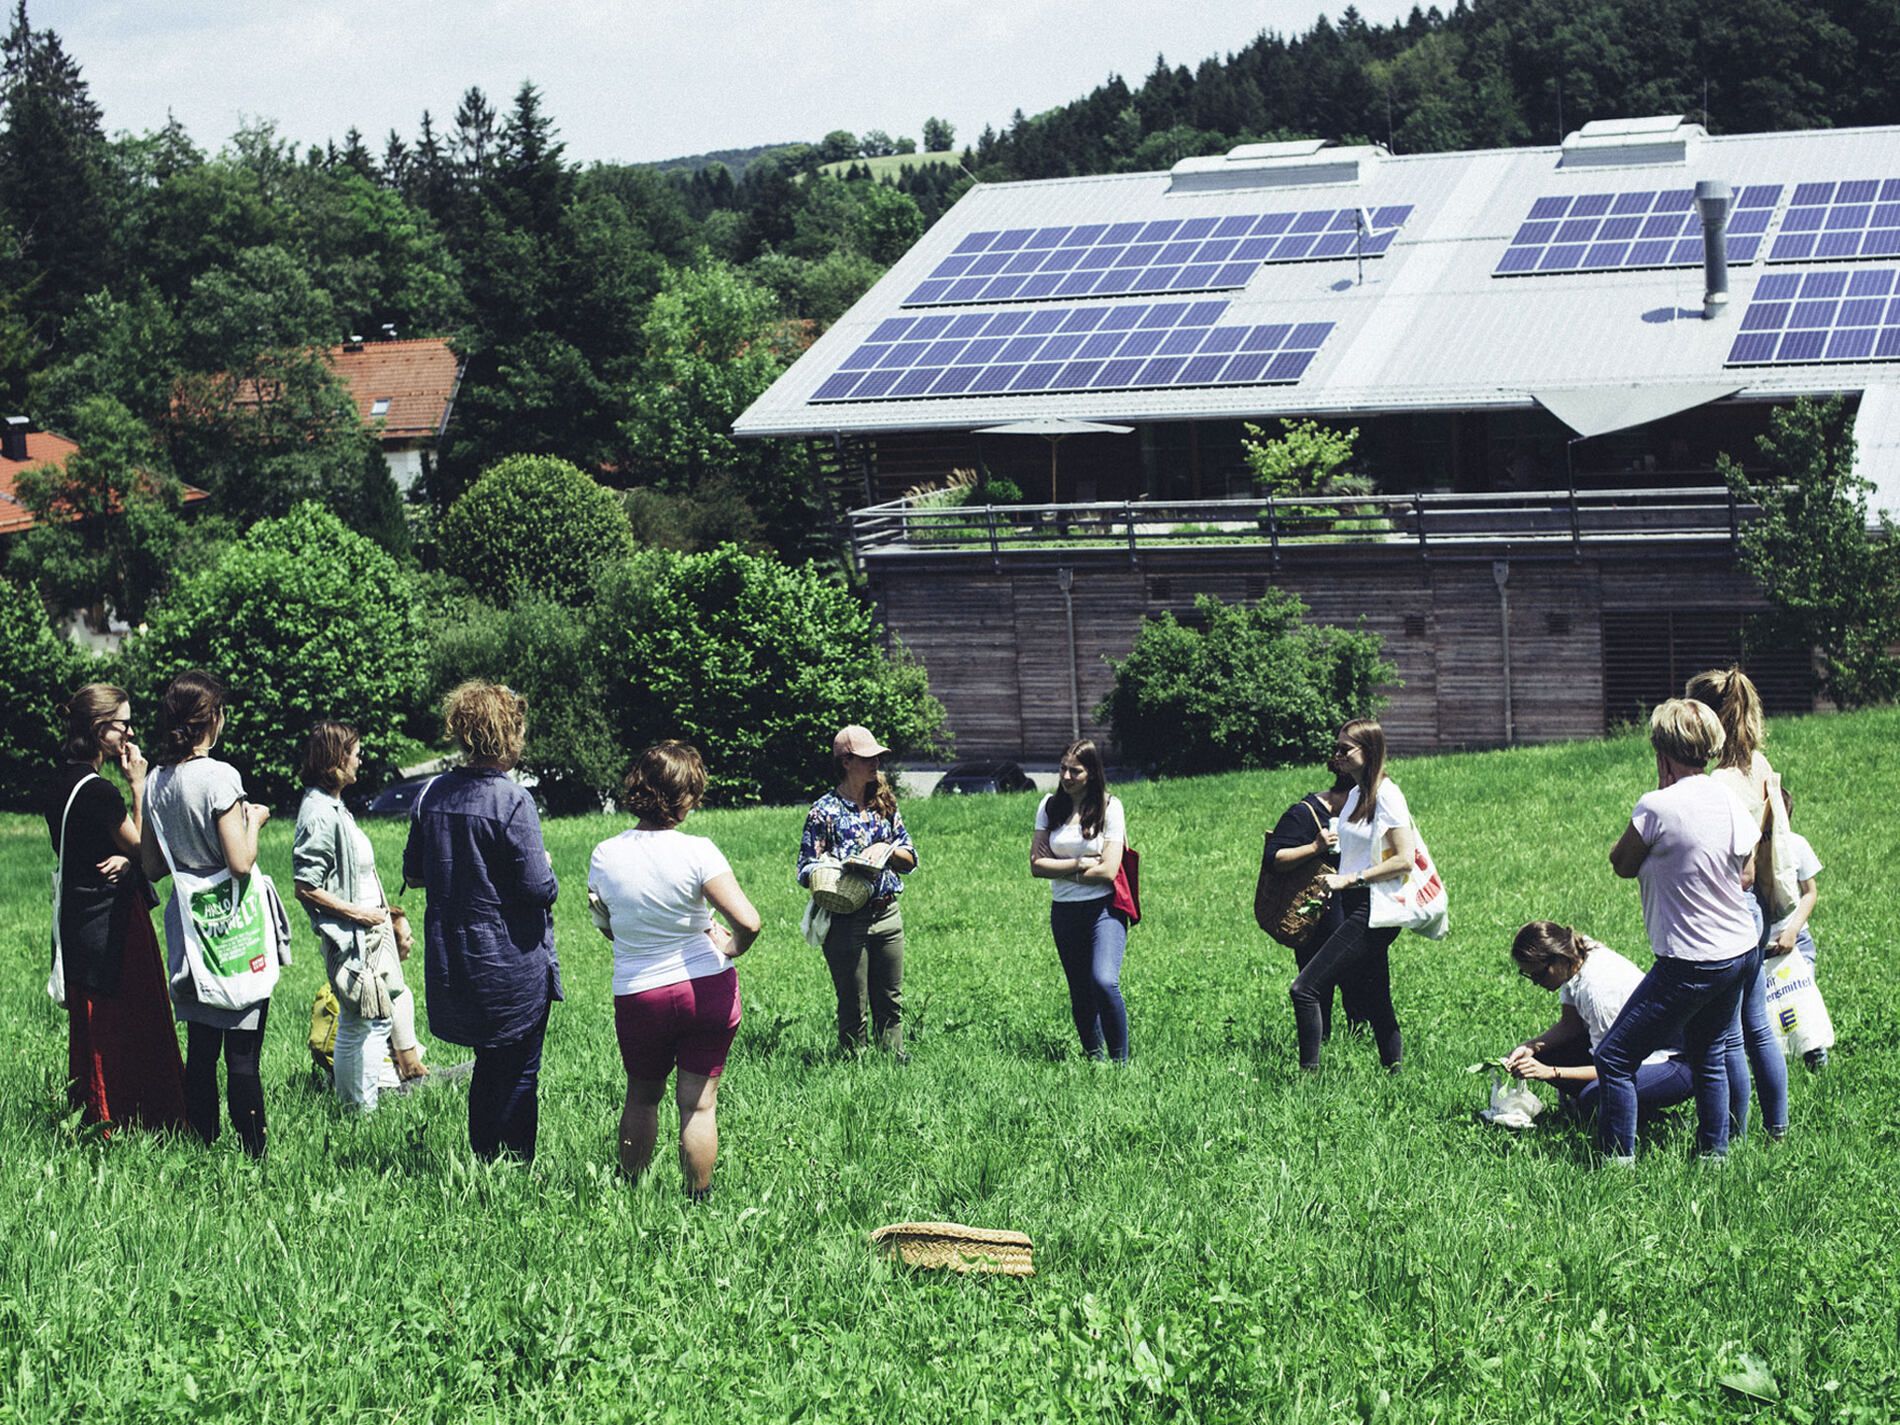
1713	199
13	438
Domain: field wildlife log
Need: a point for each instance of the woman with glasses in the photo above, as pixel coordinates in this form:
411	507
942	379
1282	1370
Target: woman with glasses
864	950
1376	842
122	1061
1592	984
1077	848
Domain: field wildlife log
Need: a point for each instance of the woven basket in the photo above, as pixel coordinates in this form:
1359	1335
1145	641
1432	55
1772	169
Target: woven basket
836	890
959	1248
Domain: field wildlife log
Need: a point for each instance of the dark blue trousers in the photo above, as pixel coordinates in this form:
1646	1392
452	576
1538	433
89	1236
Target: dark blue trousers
504	1096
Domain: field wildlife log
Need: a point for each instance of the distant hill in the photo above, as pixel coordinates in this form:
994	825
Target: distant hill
736	159
887	165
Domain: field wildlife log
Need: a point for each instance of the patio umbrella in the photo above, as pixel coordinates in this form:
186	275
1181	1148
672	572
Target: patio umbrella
1054	429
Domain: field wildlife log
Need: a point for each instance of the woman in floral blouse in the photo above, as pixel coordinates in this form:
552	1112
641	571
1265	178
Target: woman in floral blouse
865	949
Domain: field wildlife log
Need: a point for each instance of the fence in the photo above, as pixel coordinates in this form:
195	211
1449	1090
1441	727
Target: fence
1555	519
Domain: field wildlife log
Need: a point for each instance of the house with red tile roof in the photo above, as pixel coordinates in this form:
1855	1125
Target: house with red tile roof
408	388
21	449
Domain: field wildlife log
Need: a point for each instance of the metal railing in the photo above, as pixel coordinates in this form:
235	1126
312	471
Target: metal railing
1554	518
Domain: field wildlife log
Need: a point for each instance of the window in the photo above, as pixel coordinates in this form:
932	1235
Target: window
380	406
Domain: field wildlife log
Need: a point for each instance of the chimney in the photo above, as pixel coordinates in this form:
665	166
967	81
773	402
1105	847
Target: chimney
13	438
1713	200
355	343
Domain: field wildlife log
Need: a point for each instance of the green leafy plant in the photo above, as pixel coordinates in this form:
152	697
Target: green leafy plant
534	524
1308	459
302	619
1247	685
38	670
758	663
1834	582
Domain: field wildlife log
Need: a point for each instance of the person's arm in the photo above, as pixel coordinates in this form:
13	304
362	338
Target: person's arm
532	867
1401	844
1629	853
814	841
1803	908
1568	1029
151	859
1288	847
238	829
127	835
326	904
1044	865
725	896
903	857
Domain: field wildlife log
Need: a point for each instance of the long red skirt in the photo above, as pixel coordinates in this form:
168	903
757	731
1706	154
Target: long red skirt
122	1052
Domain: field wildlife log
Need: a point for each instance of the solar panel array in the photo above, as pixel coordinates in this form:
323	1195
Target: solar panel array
1132	259
1095	348
1833	221
1594	232
1807	317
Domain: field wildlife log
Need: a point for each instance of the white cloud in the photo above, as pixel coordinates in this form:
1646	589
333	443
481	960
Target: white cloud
633	81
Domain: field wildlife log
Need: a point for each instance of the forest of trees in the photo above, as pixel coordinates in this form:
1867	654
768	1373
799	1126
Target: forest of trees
619	316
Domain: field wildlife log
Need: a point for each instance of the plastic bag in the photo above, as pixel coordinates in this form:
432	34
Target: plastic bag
1513	1104
1795	1007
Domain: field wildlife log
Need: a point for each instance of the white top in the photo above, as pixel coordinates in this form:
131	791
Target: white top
1599	990
365	854
1806	867
1359	841
1699	837
653	887
1068	840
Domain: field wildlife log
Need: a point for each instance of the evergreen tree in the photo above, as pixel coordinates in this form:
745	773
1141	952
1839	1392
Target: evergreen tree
52	178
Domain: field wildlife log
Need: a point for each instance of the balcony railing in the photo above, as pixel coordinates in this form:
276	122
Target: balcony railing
1425	522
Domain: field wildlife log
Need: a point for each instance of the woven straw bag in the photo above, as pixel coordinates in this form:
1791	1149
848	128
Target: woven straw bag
835	890
956	1247
1288	904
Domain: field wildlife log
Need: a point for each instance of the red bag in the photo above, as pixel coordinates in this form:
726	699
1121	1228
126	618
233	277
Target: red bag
1127	901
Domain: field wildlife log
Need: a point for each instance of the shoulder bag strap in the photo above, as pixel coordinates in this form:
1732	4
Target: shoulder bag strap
59	884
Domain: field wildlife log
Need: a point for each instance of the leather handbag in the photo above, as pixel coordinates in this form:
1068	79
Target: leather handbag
1288	904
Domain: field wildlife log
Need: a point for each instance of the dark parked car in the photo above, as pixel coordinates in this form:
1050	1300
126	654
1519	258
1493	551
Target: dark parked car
968	777
397	798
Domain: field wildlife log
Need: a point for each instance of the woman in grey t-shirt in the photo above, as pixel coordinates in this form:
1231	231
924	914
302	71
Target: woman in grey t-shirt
198	802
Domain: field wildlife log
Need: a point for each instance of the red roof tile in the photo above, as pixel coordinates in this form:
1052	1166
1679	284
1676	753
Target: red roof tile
418	379
42	448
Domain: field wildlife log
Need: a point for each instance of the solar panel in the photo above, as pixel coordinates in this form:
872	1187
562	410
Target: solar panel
1597	232
1808	317
1835	221
1146	258
1132	347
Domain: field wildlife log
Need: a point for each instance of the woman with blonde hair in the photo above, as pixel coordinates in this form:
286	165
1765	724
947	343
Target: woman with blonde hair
488	935
1377	841
653	890
1745	771
864	950
122	1060
1685	845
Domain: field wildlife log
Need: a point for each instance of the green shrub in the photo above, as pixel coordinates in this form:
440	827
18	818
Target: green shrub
758	663
537	524
303	619
544	652
1000	490
38	670
1250	686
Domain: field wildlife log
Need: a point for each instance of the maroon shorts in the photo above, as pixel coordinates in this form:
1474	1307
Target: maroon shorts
690	1024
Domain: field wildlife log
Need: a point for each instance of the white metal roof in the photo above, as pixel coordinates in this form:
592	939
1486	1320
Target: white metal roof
1430	328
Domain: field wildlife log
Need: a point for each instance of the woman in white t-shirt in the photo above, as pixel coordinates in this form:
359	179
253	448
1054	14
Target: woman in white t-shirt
1592	983
1376	842
1077	848
1686	846
653	890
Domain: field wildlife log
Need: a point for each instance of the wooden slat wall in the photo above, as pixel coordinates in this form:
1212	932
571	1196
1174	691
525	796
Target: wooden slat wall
996	646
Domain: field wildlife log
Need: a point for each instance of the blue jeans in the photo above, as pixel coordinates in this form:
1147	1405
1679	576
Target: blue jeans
1658	1086
1090	941
1763	1047
1691	1002
1804	945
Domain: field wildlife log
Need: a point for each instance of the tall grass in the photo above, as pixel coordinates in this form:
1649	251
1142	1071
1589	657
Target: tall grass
1216	1237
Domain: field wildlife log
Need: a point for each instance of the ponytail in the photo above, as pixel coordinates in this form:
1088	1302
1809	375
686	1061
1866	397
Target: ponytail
1731	695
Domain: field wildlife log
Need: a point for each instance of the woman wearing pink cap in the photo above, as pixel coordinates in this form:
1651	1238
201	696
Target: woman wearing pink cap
865	949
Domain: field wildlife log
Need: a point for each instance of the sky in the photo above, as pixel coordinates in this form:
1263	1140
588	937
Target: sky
634	82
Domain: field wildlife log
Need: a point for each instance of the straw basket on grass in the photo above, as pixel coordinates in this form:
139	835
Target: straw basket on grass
959	1248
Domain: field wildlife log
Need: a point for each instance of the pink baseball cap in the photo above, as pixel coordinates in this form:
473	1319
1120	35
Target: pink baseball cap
858	742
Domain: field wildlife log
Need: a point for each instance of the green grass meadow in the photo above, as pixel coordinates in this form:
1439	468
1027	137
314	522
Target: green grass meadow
1216	1237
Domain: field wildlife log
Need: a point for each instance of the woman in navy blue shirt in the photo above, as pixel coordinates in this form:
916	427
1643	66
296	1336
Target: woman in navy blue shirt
488	937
